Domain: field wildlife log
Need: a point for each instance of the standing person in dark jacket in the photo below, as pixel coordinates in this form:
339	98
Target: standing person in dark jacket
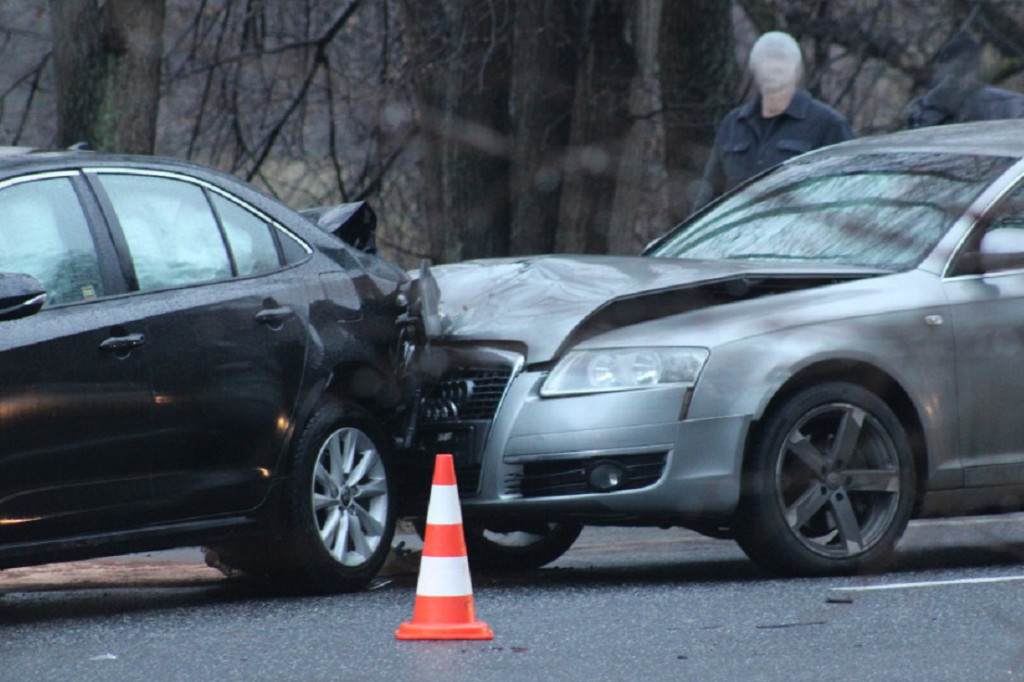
958	94
780	123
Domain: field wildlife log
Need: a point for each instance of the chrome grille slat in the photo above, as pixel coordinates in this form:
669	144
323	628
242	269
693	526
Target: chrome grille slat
470	394
455	415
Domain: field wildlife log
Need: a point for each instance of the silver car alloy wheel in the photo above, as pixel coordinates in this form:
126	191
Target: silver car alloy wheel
350	496
837	480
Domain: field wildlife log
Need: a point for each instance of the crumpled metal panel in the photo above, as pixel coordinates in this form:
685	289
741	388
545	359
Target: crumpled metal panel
541	300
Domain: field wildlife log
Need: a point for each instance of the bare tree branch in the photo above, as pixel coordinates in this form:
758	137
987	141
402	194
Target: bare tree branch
319	60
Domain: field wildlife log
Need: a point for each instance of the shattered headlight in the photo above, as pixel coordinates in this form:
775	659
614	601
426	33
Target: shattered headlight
623	369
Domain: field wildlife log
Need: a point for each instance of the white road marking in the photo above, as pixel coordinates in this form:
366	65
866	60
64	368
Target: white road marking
1012	517
931	583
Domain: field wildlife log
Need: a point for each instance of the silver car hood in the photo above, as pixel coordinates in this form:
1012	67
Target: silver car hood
550	302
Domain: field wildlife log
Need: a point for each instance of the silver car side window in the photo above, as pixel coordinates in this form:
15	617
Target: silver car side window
44	233
1009	212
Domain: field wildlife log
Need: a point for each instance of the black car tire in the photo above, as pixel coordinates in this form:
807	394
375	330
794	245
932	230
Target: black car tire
368	503
521	547
340	510
829	484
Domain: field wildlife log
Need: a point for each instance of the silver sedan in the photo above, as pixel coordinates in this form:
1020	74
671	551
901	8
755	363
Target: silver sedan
821	355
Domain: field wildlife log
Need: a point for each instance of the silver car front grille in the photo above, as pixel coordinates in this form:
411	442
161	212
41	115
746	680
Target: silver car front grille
455	416
471	394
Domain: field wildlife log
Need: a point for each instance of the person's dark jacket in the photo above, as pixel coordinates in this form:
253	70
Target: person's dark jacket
954	102
747	143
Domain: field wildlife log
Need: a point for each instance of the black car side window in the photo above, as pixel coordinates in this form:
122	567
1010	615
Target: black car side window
172	234
44	233
250	238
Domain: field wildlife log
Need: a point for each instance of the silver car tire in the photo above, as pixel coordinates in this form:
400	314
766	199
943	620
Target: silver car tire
829	486
520	547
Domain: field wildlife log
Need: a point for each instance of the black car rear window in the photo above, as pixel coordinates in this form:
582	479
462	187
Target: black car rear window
875	210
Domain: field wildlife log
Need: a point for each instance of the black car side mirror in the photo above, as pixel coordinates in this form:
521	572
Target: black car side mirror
355	223
20	296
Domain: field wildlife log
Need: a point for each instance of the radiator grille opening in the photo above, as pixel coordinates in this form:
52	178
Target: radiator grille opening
470	394
455	417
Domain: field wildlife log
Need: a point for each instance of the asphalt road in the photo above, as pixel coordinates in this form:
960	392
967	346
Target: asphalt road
623	604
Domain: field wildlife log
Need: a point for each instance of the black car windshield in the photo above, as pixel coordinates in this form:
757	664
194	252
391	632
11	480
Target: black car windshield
875	210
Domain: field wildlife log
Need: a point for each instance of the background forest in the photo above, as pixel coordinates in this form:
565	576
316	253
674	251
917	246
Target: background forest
474	127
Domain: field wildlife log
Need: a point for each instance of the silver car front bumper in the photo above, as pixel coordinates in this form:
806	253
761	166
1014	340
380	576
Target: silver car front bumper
537	452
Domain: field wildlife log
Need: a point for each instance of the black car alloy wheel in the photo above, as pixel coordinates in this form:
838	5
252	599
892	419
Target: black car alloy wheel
340	507
829	486
341	499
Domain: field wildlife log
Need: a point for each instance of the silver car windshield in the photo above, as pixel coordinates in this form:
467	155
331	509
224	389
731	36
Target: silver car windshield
884	211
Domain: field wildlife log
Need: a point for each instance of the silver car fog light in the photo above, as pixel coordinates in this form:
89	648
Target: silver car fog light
606	476
623	369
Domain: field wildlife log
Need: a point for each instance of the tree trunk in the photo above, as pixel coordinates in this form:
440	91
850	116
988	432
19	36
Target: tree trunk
600	121
699	78
107	57
463	94
426	39
639	212
544	68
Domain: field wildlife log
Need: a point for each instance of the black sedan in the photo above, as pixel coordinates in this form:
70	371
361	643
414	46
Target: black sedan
187	361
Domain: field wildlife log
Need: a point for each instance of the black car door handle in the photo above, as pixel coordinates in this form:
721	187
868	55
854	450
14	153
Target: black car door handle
117	344
275	317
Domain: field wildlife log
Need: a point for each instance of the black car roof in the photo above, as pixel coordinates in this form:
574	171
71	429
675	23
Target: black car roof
14	160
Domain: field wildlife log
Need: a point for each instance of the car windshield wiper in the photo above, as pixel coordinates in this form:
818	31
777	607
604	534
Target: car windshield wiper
844	258
841	260
778	256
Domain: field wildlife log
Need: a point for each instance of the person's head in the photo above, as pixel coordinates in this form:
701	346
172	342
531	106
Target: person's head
776	63
958	57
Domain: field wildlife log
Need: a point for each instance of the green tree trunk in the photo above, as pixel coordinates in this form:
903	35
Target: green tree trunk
107	57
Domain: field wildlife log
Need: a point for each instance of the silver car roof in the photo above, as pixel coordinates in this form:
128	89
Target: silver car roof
989	138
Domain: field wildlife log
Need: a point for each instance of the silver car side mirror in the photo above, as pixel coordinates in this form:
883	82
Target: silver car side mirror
1002	248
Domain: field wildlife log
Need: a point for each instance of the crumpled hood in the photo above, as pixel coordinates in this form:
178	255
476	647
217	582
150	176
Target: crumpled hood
541	300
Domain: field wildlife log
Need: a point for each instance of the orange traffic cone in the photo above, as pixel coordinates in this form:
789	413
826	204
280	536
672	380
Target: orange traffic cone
444	594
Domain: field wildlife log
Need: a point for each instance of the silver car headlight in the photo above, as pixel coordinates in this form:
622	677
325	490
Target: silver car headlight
623	369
